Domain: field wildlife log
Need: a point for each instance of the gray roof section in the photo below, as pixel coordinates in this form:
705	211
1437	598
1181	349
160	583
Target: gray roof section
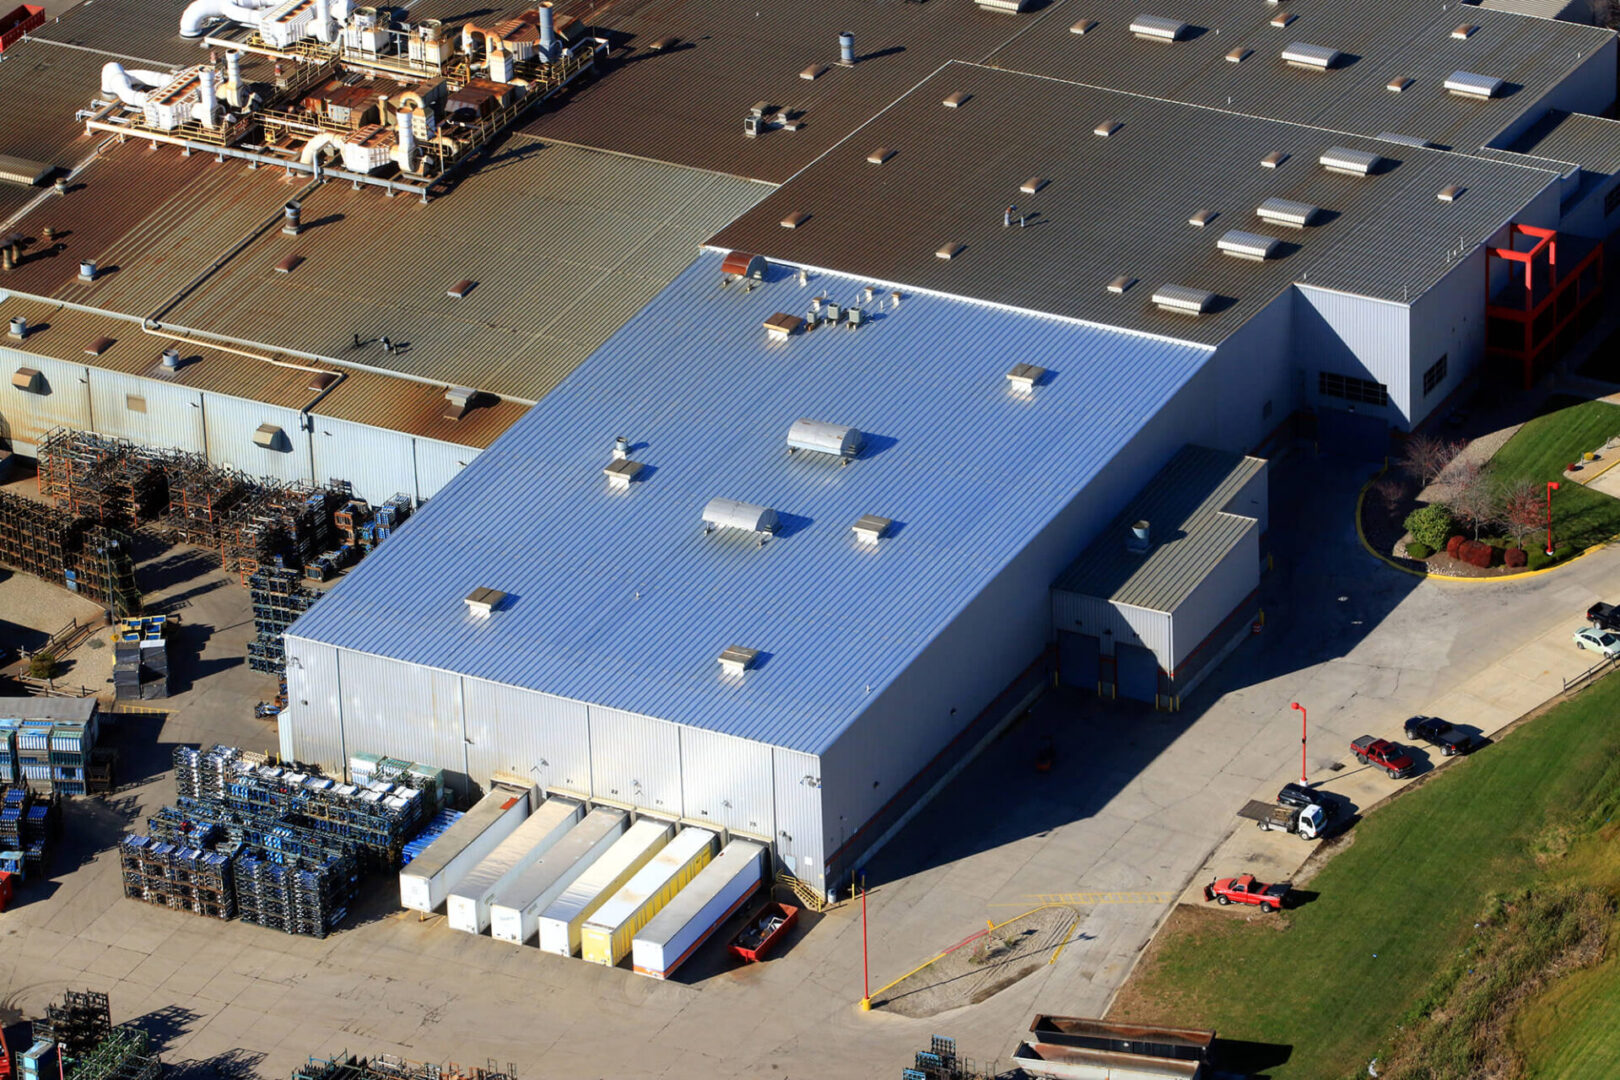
1185	505
41	86
1121	205
1380	41
622	599
140	32
47	708
1579	11
1592	142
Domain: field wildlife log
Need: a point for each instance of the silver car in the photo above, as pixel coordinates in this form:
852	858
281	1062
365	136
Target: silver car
1606	642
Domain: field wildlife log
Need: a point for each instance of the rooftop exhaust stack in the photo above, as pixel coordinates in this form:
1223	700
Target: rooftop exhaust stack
87	270
846	49
1140	539
234	92
171	359
19	327
621	448
548	33
208	107
405	134
290	224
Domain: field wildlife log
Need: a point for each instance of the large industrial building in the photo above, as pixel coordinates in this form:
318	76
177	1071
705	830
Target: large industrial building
832	396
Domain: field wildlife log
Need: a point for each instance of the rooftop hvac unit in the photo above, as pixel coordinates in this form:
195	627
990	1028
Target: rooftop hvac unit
1288	212
1025	377
1320	57
1465	84
821	437
1158	28
484	601
734	514
736	659
870	528
1248	245
1183	299
1341	159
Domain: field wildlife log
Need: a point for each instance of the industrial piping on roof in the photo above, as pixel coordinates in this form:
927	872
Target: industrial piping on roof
405	140
208	107
200	11
235	92
548	32
125	83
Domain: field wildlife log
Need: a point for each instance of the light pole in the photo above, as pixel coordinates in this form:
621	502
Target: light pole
1302	779
1552	486
866	970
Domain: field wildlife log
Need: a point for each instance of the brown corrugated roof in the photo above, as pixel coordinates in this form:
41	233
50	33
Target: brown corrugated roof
416	408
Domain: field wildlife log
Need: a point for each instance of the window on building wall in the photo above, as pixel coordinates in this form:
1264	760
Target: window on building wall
1350	388
1435	375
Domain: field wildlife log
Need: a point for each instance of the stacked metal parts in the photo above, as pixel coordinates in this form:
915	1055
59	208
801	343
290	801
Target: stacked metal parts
68	548
108	480
76	1040
141	659
52	756
29	825
283	847
388	1067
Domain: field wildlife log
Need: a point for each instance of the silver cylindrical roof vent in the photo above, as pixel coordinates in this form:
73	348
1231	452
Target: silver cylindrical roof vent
171	358
846	49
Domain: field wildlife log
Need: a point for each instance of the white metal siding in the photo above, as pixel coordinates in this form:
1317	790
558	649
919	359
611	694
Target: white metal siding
1113	624
799	814
437	463
1254	499
1448	321
230	424
1253	367
1359	337
377	463
403	711
541	738
26	418
1215	598
727	781
172	417
315	706
635	759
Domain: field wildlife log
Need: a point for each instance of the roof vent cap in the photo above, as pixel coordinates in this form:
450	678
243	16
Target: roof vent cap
1248	245
821	437
483	602
87	270
1467	84
621	472
1450	193
19	327
1317	57
1341	159
956	99
1158	28
1464	31
744	264
171	359
871	528
736	659
1407	140
1288	212
1025	377
734	514
1084	26
1183	299
1121	283
1107	128
1139	541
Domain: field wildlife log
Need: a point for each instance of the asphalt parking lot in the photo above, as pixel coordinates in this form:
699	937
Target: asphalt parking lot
1136	803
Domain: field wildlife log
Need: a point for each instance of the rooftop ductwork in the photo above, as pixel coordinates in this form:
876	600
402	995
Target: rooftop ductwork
734	514
1288	212
1248	245
1466	84
820	437
1318	57
1341	159
1158	28
1183	299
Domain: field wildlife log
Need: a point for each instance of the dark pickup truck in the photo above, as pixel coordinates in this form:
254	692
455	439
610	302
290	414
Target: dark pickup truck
1394	760
1437	732
1606	616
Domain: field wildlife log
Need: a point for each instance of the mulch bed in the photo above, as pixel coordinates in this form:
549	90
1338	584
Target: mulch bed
1383	523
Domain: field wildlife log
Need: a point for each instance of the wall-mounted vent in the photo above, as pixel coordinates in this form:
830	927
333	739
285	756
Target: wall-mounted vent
880	155
1201	218
1319	57
732	514
871	528
1025	377
1341	159
28	380
957	100
270	437
736	659
1273	159
1120	284
1451	193
949	251
483	602
1107	128
1159	28
1183	299
1288	212
1283	19
782	326
1464	31
99	346
1398	84
1239	54
621	472
457	400
1407	140
820	437
1032	185
795	219
1084	26
1248	245
134	403
744	264
1467	84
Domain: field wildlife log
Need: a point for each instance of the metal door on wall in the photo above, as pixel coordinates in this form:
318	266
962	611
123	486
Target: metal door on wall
1357	435
1138	673
1077	660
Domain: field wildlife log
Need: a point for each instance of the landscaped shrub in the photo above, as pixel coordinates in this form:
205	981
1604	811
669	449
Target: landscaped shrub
1475	553
42	665
1429	525
1453	544
1563	551
1536	559
1514	557
1415	550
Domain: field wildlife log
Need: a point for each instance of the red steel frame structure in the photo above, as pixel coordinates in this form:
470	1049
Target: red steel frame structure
1524	330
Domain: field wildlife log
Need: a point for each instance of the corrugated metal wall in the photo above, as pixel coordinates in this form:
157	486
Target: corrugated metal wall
1355	336
1215	598
437	463
727	781
1449	321
799	815
404	711
379	464
1111	623
544	738
1250	383
315	706
231	422
147	411
25	418
635	759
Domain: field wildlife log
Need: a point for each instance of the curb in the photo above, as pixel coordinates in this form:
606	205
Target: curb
1361	535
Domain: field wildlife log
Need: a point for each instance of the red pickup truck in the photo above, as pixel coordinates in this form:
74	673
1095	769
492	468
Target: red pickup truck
1246	890
1394	760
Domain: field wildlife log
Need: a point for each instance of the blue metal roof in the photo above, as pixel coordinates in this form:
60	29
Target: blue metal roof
620	598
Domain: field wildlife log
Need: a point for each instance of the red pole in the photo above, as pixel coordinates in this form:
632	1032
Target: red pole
866	970
1552	486
1302	778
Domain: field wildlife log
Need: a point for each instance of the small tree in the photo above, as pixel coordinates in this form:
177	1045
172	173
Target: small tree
1524	509
1426	457
1473	496
42	665
1430	525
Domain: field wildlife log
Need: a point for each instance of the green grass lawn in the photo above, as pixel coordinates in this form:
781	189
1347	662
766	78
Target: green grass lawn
1332	979
1540	450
